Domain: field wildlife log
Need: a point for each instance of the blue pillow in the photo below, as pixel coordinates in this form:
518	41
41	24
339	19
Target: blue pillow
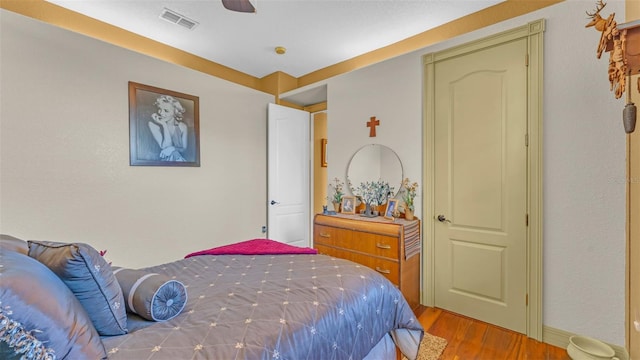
33	300
152	296
8	242
90	279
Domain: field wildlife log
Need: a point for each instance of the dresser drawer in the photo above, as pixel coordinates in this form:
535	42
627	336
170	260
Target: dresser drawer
368	243
389	269
377	245
331	236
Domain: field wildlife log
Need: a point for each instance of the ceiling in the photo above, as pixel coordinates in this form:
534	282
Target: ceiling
316	33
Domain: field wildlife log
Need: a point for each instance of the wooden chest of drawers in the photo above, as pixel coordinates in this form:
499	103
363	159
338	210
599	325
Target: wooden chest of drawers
379	245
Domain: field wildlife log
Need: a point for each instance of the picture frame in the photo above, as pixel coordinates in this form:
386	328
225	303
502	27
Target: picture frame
323	152
348	205
392	206
164	127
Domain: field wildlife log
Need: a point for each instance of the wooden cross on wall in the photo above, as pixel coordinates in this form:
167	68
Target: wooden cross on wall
372	126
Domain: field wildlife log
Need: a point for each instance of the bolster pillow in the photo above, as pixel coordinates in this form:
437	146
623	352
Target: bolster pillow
152	296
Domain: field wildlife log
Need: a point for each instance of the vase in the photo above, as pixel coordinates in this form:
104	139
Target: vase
629	115
368	211
408	214
336	206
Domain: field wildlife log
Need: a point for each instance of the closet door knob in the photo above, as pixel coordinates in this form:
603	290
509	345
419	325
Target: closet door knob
443	219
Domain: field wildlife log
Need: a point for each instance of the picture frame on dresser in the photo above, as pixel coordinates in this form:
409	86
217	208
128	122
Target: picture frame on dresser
392	206
164	127
348	205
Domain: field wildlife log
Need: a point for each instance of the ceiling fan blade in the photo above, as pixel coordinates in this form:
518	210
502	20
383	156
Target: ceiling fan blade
239	5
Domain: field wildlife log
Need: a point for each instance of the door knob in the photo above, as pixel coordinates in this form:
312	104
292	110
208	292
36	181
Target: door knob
443	219
273	202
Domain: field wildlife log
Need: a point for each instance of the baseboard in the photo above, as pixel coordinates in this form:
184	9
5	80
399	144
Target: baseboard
560	338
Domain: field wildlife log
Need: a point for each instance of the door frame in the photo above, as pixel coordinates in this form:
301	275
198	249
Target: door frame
534	32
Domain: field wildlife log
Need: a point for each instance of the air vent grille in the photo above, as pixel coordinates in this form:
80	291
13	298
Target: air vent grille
174	17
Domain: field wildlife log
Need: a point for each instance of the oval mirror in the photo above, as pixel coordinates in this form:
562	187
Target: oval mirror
375	162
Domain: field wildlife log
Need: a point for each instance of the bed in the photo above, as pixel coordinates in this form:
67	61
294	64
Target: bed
273	306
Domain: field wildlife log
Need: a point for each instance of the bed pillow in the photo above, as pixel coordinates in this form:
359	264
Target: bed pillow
90	279
10	243
152	296
39	315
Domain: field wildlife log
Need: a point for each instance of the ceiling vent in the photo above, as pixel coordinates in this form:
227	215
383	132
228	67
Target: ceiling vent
174	17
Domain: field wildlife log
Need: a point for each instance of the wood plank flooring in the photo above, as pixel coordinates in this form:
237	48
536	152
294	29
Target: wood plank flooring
471	339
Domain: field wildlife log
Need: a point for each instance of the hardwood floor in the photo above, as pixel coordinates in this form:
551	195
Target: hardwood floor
472	339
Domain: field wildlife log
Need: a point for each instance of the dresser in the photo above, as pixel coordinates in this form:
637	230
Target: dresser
392	248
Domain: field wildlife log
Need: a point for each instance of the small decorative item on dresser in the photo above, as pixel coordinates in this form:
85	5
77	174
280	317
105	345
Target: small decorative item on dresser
374	195
408	214
409	193
348	205
336	194
391	209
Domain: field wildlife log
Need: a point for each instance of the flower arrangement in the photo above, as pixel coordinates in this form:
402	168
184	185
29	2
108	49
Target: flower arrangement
365	191
383	191
374	192
338	191
409	193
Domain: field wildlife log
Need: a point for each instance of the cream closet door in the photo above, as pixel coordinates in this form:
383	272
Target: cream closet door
481	185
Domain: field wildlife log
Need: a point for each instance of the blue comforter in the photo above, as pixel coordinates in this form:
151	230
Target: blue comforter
272	307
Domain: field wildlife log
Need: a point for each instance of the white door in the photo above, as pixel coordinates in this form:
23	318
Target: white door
480	198
288	175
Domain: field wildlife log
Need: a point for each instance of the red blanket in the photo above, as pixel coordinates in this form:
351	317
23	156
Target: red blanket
255	247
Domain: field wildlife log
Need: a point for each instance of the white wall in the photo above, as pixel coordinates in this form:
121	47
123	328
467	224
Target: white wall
390	91
64	137
584	158
65	174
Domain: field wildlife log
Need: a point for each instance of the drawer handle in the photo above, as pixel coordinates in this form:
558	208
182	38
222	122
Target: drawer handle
381	246
325	235
383	271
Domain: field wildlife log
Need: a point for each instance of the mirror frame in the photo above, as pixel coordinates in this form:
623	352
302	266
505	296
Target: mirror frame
397	186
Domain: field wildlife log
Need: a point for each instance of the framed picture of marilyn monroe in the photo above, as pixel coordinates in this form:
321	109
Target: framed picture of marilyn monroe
164	127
